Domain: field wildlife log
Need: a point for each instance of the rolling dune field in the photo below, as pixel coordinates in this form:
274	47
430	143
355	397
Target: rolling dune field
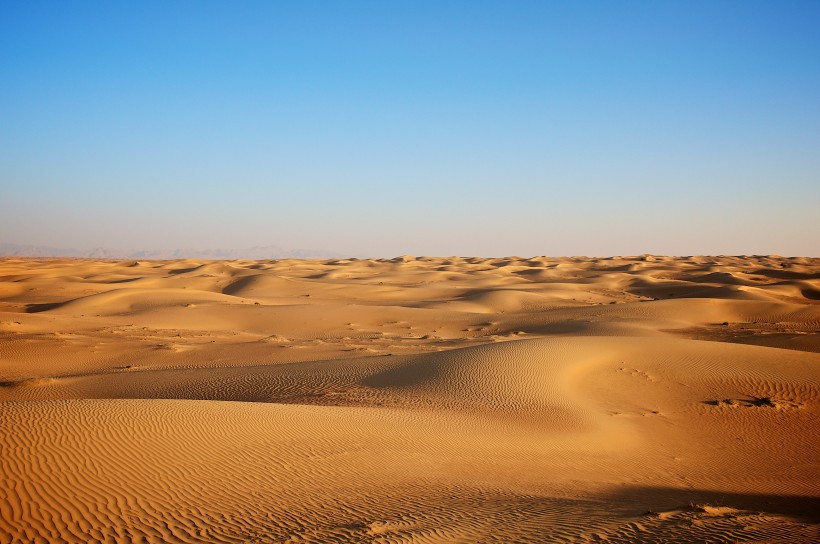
625	399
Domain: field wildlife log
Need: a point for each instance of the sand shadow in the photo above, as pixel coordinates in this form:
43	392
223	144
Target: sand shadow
637	500
36	308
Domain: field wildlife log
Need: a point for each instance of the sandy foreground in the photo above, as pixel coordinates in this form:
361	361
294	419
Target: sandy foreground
635	399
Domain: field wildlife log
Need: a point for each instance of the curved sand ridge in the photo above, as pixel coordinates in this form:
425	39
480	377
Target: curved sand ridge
425	400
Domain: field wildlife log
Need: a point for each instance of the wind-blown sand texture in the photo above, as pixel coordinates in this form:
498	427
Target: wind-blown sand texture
635	399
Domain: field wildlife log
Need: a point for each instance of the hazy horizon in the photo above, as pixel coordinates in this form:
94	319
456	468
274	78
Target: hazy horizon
376	129
274	252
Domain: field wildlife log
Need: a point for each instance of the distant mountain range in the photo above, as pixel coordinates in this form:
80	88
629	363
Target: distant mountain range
256	253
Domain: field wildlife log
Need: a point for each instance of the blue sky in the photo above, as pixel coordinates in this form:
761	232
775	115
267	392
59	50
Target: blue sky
429	128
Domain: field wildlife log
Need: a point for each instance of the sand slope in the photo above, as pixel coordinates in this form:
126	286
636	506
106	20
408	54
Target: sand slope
642	399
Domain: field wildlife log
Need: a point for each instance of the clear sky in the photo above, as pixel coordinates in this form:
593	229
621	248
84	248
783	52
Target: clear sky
430	128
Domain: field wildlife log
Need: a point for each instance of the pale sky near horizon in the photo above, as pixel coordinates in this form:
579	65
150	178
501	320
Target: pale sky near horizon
427	128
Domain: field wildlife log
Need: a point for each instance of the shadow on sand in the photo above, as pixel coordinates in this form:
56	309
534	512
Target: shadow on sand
636	500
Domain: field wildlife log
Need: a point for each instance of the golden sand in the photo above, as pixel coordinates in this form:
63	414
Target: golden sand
634	399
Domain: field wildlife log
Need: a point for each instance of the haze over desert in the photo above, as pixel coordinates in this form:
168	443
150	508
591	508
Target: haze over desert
628	399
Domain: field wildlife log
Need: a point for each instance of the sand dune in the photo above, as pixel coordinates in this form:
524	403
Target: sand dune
629	399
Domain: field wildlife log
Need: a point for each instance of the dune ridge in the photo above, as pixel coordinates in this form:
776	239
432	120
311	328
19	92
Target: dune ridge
624	399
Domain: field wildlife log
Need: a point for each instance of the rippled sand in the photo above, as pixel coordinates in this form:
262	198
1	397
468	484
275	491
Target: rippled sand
634	399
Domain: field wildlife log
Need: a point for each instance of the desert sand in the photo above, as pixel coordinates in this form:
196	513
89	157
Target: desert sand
626	399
